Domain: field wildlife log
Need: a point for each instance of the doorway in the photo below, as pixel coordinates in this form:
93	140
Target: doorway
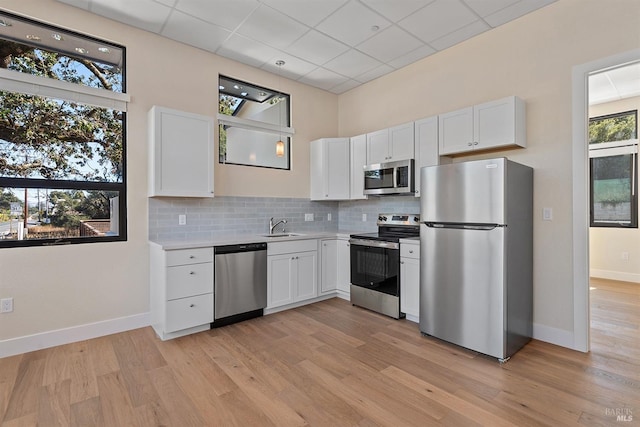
581	262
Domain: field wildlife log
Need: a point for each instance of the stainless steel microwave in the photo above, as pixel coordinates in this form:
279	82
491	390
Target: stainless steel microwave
389	178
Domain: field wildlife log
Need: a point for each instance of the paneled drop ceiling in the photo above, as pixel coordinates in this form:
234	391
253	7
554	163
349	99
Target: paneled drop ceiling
334	45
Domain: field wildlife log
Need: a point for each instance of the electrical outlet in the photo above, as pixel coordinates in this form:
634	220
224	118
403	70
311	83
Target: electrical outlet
364	217
182	219
6	305
329	216
308	217
547	214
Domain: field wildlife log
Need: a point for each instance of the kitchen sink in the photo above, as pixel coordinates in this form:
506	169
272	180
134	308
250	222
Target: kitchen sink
281	235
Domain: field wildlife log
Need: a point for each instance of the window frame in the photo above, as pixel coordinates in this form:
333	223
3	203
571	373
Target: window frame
16	82
286	132
613	149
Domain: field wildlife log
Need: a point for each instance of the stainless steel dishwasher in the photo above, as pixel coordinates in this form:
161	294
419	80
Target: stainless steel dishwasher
240	282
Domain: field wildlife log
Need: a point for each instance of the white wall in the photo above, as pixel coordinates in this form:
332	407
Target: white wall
83	286
606	245
531	57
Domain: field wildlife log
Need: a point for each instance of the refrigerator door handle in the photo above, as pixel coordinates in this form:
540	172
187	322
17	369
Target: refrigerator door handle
480	227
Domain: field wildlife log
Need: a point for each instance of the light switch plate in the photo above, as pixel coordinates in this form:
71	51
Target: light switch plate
547	214
182	219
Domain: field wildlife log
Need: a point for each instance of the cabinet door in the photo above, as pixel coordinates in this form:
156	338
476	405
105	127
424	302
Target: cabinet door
182	153
317	171
426	146
337	160
344	266
282	273
329	266
307	271
378	146
410	287
455	131
401	142
496	123
358	161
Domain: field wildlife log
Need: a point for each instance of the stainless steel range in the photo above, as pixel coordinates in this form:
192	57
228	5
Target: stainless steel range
375	263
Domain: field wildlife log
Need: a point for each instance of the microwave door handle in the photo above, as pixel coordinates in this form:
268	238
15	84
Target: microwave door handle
396	172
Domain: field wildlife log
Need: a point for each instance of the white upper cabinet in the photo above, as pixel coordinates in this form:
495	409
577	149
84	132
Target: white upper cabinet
392	144
330	169
358	161
491	125
181	153
426	147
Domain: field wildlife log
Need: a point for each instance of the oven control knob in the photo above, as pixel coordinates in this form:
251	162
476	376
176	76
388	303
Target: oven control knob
416	219
382	218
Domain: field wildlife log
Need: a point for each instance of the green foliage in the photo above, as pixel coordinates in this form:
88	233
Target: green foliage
70	207
6	198
609	129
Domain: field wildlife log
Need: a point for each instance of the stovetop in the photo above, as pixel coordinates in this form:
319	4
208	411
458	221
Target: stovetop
393	227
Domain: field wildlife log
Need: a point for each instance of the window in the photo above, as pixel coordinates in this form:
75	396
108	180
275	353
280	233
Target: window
254	125
62	136
613	153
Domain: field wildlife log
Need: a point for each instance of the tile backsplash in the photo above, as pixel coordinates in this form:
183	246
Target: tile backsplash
228	216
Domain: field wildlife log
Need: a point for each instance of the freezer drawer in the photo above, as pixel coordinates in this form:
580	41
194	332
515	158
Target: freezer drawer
462	297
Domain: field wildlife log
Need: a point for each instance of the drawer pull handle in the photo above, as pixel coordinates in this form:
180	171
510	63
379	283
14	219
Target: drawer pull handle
410	252
192	305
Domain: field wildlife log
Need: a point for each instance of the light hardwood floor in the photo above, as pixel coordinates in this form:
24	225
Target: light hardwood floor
330	364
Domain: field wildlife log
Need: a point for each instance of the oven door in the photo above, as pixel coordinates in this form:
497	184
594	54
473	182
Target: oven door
375	265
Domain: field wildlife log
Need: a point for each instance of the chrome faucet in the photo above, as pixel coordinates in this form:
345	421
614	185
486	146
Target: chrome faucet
272	225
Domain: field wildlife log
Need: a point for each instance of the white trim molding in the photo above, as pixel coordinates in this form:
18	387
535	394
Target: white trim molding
48	339
615	275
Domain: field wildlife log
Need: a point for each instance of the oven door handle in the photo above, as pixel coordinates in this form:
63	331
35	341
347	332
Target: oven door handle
375	243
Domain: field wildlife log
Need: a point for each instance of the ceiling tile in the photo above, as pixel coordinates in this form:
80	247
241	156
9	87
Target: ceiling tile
352	63
316	47
293	68
374	73
396	10
323	79
272	27
411	57
487	7
515	11
438	19
247	51
460	35
389	44
352	23
187	29
145	14
343	87
234	13
309	12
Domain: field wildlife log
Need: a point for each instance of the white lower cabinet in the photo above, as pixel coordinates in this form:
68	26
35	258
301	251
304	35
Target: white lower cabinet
335	267
410	280
292	272
181	290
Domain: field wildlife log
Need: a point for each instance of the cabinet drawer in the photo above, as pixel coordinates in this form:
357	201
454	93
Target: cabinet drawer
186	313
292	246
410	251
189	256
187	280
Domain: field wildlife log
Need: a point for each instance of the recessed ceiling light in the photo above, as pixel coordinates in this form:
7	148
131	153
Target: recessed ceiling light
236	87
221	87
263	94
81	50
244	94
57	36
32	37
104	49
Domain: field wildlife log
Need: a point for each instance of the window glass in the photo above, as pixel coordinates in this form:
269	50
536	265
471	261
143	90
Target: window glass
62	158
613	152
254	125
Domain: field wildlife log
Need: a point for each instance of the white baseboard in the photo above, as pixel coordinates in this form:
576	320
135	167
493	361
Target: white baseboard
615	275
555	336
48	339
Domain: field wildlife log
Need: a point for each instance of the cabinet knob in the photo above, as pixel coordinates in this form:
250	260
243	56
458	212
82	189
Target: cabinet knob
475	143
470	144
192	305
410	251
192	273
191	256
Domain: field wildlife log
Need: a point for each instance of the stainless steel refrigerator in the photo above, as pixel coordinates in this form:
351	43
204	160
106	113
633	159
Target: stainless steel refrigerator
476	237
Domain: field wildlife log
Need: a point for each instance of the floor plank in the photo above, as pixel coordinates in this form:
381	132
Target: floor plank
330	364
